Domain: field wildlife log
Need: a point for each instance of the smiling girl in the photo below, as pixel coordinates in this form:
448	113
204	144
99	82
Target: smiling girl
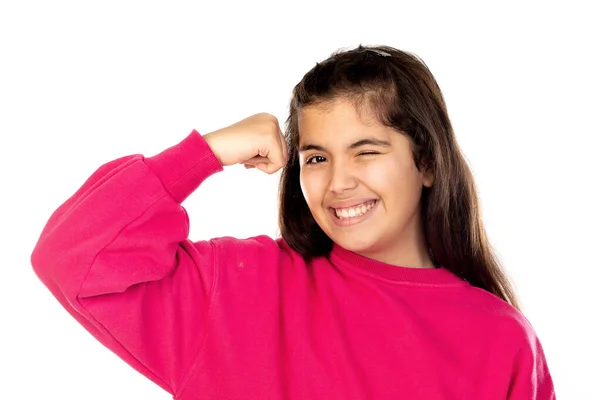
382	286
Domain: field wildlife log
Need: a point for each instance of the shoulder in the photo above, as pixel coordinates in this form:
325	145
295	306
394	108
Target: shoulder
255	267
261	249
507	334
502	321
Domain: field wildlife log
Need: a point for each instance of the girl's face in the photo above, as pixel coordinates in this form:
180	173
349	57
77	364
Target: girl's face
361	184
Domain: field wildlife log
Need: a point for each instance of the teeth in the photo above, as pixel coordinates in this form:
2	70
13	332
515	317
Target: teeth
354	211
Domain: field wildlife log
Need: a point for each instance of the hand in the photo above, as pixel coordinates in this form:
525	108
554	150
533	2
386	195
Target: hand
256	142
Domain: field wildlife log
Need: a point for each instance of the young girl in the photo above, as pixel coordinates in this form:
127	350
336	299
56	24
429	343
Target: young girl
383	285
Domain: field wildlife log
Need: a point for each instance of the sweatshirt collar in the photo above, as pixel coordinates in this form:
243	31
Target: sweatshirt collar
428	276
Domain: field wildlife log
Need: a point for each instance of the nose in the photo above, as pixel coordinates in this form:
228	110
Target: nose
342	178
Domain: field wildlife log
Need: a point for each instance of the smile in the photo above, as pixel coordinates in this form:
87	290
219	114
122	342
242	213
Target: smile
354	211
350	216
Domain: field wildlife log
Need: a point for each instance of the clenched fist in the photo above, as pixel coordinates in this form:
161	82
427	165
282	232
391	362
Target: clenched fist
256	142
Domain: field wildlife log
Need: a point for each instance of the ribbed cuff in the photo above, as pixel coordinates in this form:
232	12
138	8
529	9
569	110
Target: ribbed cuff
183	167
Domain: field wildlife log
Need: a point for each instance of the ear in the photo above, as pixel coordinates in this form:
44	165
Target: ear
427	177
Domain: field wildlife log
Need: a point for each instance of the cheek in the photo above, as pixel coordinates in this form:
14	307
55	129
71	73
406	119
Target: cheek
382	177
394	182
312	188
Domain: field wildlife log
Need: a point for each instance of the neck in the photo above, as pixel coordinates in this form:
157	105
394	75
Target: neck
402	255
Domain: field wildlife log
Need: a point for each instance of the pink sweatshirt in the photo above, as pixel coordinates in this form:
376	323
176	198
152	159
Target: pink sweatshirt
249	319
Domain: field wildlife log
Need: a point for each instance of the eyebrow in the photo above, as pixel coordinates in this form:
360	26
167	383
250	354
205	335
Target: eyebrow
360	143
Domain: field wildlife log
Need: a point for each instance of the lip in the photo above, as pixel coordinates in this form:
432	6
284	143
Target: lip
353	220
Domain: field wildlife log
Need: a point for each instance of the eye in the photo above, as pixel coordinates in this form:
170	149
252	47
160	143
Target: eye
368	153
315	159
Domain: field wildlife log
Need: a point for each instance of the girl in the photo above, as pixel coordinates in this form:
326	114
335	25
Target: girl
382	286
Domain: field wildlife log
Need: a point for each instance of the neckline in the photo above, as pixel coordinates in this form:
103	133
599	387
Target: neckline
389	272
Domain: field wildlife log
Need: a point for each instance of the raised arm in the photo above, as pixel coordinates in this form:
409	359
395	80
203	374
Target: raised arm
117	256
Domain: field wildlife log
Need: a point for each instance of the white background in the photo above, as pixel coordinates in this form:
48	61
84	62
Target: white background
82	83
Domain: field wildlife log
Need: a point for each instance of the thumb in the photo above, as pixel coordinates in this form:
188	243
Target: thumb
263	166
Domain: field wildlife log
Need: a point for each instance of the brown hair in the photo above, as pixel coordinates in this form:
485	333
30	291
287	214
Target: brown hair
402	93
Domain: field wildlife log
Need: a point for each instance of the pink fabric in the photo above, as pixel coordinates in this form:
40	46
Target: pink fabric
249	319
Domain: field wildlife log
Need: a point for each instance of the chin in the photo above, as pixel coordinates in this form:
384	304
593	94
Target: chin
356	245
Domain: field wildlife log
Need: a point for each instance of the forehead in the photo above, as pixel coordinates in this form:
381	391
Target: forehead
339	120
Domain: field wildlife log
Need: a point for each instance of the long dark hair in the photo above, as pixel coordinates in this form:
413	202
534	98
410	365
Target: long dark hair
402	92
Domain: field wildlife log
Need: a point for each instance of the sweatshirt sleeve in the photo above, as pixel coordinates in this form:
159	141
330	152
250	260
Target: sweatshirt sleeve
116	255
531	378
